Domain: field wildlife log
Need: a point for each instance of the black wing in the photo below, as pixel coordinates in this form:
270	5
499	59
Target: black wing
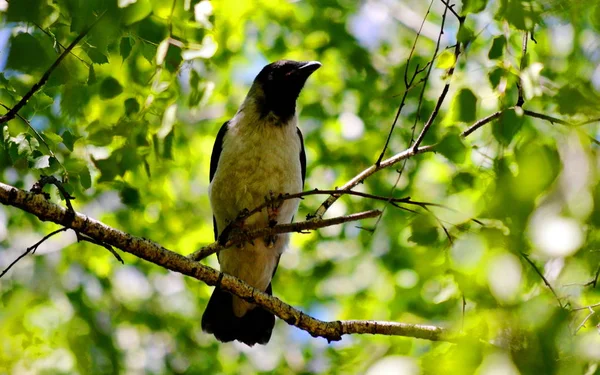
302	157
214	162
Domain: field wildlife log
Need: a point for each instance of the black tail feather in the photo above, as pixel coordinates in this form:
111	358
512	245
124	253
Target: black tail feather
253	328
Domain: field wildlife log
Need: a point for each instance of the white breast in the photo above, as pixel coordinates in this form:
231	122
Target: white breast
257	157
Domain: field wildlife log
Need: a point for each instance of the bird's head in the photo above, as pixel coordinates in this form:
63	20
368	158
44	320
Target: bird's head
277	86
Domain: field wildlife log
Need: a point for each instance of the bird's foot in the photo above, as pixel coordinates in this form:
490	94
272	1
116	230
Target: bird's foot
270	240
236	230
273	203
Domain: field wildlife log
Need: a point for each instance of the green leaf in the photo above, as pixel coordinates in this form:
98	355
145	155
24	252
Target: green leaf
522	14
168	145
131	106
136	12
69	139
473	6
446	60
465	34
424	231
99	134
125	47
51	138
576	98
130	196
85	179
91	75
96	56
507	126
27	54
109	168
452	147
37	11
464	106
74	99
497	49
495	75
462	181
110	87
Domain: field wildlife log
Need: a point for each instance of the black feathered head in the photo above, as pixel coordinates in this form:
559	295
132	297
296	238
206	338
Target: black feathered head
281	83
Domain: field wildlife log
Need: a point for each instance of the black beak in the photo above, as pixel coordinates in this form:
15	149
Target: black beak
307	68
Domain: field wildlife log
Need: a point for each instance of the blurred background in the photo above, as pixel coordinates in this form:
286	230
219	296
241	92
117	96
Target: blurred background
130	117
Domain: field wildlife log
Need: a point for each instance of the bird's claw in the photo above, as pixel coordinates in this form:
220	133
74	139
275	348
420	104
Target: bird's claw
273	203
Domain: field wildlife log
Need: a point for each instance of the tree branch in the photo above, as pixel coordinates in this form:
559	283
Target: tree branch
31	249
240	236
37	205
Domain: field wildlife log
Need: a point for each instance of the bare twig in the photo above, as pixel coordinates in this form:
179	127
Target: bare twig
82	237
408	84
284	197
521	98
586	307
13	112
368	172
542	277
450	7
595	279
32	249
592	312
444	91
482	122
234	238
154	253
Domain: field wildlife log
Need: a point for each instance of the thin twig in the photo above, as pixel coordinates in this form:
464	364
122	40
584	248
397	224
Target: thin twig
521	98
407	85
284	197
449	75
32	249
460	18
60	45
592	312
542	277
82	237
13	112
586	307
236	237
482	122
444	91
368	172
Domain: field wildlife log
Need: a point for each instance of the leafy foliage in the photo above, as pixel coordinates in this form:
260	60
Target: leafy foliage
128	120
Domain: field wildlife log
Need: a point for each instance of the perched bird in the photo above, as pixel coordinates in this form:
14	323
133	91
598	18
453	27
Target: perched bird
258	153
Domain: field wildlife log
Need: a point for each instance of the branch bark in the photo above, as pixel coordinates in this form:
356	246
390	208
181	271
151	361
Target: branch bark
37	205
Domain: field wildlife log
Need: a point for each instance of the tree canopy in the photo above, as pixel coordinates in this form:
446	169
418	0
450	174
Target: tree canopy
471	128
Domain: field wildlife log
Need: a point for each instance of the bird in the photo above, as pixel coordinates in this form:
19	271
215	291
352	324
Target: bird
259	153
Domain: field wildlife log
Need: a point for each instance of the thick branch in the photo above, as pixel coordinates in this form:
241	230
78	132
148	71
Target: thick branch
37	205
